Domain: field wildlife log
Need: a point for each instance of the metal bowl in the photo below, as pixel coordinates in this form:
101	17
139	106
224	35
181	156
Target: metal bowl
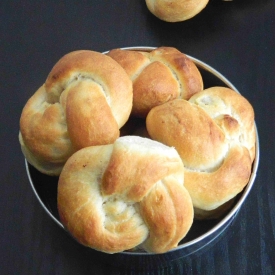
201	234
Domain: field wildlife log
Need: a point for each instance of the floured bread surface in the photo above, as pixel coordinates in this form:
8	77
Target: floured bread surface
158	76
129	194
214	134
84	101
175	10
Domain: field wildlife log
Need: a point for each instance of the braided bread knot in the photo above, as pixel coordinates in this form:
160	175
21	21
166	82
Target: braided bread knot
158	76
128	194
79	105
215	135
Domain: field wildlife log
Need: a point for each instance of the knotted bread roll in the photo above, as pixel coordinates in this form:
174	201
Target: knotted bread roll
214	134
127	194
85	100
158	76
175	10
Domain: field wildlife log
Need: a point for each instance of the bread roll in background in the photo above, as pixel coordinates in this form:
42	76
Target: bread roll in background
158	76
125	195
214	134
175	10
85	100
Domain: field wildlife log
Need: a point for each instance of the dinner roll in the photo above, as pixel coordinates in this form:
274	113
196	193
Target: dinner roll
175	10
158	76
125	195
84	101
214	134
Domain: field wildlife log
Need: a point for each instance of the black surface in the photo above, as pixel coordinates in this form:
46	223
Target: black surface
235	37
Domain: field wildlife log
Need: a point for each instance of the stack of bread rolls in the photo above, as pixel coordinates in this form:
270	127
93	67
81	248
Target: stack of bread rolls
122	187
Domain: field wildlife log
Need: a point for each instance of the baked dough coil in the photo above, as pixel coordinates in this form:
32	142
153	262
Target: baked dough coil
125	195
158	76
214	133
175	10
84	101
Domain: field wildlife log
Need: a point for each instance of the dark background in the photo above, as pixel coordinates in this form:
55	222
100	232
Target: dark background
236	37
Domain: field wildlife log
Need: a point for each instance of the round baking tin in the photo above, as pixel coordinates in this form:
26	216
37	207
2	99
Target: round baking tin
201	234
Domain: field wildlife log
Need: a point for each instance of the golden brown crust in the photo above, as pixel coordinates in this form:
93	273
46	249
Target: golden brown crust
198	140
159	76
79	105
90	120
175	10
212	189
232	112
115	197
168	217
214	134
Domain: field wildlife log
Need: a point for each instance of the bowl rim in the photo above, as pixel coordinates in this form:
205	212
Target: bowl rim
228	216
